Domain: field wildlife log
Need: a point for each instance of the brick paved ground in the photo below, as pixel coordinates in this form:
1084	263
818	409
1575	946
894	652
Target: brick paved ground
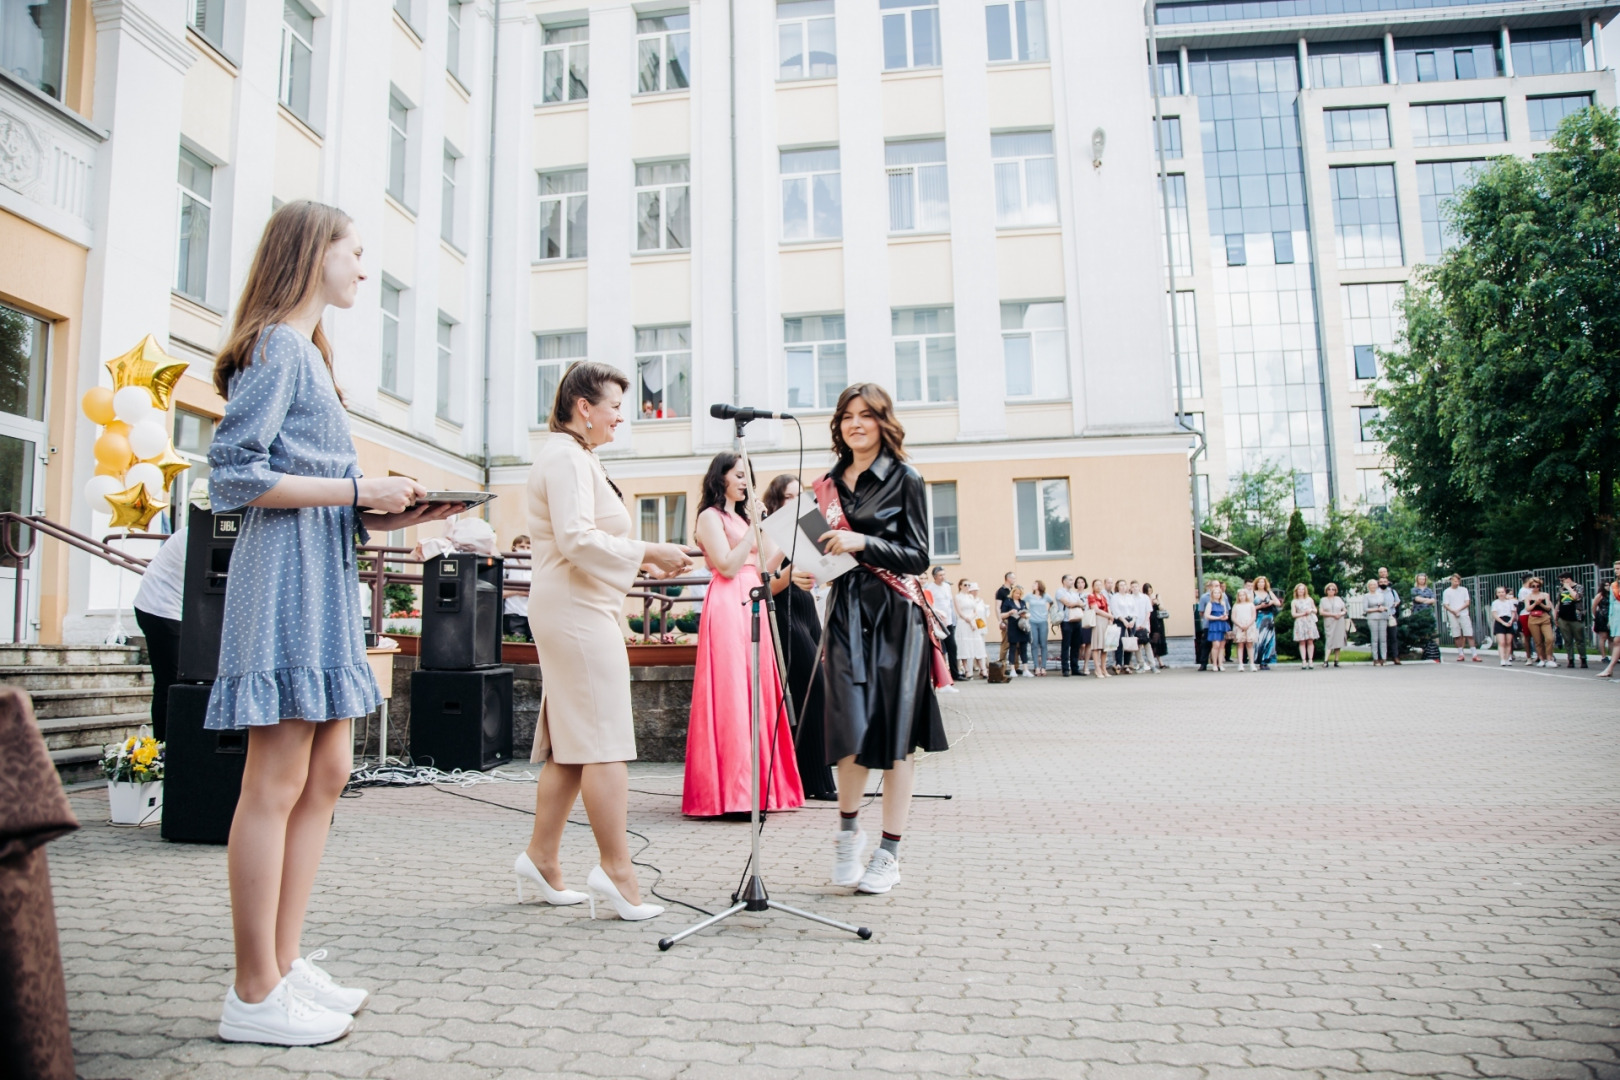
1398	873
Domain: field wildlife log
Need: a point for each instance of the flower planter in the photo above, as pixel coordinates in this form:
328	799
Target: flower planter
135	804
662	655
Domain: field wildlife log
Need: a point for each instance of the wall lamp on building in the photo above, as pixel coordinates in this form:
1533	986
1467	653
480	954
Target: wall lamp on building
1099	139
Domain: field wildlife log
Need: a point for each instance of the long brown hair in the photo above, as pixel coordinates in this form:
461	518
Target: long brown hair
285	273
891	434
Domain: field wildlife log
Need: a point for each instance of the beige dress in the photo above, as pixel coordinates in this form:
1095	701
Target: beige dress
583	562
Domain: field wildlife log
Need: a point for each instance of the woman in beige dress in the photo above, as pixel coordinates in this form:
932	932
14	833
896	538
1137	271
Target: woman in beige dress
583	562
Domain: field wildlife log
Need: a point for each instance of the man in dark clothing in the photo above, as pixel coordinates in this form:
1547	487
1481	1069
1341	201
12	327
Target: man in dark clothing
1008	580
1393	631
1571	615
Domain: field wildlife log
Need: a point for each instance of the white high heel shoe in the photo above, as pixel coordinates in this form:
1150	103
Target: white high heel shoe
601	886
524	867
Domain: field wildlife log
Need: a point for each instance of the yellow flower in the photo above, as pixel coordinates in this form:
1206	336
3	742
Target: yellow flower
130	745
145	754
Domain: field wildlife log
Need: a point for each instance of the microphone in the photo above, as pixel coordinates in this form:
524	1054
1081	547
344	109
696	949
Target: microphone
745	414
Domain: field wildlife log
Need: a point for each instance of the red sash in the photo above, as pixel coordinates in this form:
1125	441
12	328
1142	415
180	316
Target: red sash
833	510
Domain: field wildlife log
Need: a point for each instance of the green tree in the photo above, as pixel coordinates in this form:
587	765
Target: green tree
1253	515
1299	570
1501	409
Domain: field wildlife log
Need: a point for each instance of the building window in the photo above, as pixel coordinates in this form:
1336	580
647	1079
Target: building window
23	340
1438	183
403	7
554	354
1555	51
1237	252
193	434
196	208
446	369
919	197
924	354
807	47
33	43
1374	487
1458	122
812	198
1043	516
297	53
563	214
1169	135
663	52
393	367
1192	369
663	214
663	518
1026	178
207	17
943	541
1169	68
1016	31
452	38
1282	248
565	63
1359	63
817	362
1032	351
399	118
1464	56
910	34
1357	129
1548	112
1180	229
1367	417
1365	217
664	370
1371	322
447	203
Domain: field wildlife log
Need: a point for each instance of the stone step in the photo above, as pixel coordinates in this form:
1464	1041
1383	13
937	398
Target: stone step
76	676
78	732
26	655
79	766
106	701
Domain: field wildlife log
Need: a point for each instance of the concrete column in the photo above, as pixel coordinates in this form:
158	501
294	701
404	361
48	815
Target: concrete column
1389	59
511	386
1507	52
1597	48
1588	37
1186	72
610	180
1304	65
866	196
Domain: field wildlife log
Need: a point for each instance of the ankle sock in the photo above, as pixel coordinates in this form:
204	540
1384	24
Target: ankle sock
849	822
891	843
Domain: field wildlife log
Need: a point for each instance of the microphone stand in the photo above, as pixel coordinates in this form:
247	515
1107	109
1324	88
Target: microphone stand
753	896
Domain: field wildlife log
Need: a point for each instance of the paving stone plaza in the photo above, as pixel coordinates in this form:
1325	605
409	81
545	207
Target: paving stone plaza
1392	872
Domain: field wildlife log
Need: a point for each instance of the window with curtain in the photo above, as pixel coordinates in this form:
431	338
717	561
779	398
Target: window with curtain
662	518
663	52
919	196
1026	178
553	354
812	196
910	34
807	45
207	17
663	213
297	56
924	354
1016	31
33	42
565	63
1042	508
563	206
817	360
1033	353
664	372
196	209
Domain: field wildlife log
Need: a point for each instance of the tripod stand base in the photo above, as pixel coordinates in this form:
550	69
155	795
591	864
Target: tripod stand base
753	898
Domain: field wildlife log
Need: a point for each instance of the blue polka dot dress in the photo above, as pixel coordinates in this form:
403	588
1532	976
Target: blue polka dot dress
293	645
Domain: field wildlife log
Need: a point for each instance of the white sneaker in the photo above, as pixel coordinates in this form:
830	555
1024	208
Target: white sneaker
882	873
315	984
283	1018
1029	673
847	850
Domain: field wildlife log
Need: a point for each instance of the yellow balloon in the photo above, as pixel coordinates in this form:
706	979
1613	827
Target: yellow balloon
98	405
117	470
134	508
118	427
112	449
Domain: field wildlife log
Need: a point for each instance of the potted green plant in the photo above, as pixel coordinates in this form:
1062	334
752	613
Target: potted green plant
134	772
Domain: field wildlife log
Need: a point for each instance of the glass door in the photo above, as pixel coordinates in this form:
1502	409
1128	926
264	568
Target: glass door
24	341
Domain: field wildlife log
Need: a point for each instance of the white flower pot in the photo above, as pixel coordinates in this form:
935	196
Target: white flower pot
135	804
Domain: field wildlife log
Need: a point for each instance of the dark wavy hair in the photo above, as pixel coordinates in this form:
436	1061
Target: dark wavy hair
877	399
714	485
776	494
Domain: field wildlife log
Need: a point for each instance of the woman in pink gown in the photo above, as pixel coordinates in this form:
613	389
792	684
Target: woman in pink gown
718	777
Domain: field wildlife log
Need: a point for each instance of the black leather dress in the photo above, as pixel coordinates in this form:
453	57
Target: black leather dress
879	688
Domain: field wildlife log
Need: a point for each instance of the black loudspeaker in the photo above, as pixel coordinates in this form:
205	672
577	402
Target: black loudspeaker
461	719
202	770
461	612
208	561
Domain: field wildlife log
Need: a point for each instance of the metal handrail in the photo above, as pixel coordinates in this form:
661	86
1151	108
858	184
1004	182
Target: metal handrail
38	525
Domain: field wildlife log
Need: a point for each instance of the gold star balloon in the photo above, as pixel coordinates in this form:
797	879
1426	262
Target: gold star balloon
147	365
133	508
171	464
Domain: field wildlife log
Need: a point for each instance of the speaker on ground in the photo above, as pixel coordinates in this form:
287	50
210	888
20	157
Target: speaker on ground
202	770
461	719
209	542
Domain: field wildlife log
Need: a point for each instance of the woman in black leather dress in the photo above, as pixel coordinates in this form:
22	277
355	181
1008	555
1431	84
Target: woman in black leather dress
878	666
800	625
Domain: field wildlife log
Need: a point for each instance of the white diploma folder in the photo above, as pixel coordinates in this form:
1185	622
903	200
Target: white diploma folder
787	529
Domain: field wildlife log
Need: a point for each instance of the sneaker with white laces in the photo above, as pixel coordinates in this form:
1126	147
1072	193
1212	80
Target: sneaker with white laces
284	1018
315	984
882	873
847	850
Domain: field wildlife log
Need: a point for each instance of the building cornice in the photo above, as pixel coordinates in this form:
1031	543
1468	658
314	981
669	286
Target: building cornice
1350	26
401	442
131	18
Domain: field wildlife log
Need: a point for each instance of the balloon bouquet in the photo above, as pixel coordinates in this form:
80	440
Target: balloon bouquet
135	458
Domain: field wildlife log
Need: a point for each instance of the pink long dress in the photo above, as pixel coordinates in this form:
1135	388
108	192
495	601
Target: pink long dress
718	778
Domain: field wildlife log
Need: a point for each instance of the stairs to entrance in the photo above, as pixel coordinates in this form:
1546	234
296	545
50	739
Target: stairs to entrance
84	696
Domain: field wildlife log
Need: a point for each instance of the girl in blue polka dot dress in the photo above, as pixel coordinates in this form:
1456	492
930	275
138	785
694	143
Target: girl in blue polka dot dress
292	658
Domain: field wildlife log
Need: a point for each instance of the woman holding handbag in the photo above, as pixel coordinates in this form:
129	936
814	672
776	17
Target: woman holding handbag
1015	630
1101	623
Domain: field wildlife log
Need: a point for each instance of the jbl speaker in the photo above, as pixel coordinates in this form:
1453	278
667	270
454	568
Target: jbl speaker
461	719
202	770
209	542
461	612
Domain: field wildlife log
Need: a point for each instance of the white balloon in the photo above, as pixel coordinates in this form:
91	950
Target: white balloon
133	404
148	439
97	490
150	475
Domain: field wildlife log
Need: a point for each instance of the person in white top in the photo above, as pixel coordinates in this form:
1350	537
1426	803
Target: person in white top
1142	618
1459	620
1504	623
515	609
969	642
939	598
157	613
